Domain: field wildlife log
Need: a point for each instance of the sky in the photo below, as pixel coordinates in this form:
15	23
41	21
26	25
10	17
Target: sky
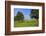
26	12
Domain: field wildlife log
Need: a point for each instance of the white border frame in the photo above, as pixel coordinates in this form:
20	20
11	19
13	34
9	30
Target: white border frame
25	28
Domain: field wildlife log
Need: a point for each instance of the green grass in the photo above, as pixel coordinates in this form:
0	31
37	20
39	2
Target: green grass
25	23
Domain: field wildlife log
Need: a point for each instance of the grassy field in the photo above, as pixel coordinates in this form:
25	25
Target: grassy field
25	23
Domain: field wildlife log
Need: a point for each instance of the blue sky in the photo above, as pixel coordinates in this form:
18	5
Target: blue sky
25	11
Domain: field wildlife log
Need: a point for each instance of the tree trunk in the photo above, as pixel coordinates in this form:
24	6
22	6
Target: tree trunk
36	22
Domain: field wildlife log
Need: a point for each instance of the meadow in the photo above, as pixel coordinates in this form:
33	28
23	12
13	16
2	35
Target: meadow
25	23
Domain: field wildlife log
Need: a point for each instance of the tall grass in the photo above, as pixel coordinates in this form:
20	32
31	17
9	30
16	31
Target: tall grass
25	23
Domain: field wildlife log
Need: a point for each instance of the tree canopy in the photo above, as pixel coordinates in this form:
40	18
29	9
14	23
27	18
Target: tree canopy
19	16
34	13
